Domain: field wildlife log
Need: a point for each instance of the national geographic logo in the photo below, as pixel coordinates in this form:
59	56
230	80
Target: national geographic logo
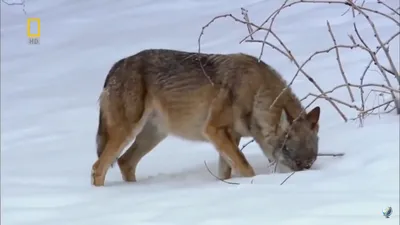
33	38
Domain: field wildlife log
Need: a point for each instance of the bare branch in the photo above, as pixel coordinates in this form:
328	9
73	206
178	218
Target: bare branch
245	145
14	3
300	69
376	52
372	60
269	29
338	60
331	154
289	53
382	45
287	178
272	45
377	36
22	3
358	86
362	4
365	45
284	50
345	3
390	8
389	71
378	106
246	18
226	182
335	100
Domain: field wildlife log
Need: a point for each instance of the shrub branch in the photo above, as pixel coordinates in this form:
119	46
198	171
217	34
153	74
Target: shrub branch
357	42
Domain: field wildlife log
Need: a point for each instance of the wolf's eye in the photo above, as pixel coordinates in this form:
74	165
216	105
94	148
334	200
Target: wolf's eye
285	149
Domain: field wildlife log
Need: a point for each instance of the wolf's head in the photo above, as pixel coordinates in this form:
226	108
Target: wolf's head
297	143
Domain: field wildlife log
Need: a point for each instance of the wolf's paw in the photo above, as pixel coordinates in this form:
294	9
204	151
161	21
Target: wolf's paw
96	179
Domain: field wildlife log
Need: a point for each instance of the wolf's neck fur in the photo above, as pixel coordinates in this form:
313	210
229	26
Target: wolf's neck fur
288	99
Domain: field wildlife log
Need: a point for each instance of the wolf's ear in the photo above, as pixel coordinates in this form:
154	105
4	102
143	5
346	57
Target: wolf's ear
289	117
286	119
313	116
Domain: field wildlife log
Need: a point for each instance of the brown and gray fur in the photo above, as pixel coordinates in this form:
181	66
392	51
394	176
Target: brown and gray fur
160	92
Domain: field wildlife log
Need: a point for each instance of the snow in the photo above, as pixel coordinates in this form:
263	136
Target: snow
49	119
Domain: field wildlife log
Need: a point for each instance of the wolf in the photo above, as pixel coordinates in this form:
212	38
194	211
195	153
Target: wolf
214	98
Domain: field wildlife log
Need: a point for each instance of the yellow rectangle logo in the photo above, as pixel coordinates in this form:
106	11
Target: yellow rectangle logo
28	28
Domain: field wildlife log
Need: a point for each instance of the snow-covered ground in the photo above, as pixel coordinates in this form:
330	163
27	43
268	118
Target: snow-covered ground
49	119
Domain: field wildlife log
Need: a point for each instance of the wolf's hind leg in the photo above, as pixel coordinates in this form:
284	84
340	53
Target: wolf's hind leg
145	141
115	136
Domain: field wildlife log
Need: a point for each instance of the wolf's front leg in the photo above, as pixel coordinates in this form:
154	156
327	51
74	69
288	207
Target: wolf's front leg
218	130
224	170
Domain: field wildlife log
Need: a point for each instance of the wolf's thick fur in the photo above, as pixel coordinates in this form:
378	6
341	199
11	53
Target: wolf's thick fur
160	92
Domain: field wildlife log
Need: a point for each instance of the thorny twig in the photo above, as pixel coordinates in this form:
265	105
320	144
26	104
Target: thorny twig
245	145
362	4
227	182
289	53
385	49
354	7
335	47
339	62
22	3
365	45
287	178
246	18
357	86
335	100
370	63
331	154
365	112
314	2
390	8
268	31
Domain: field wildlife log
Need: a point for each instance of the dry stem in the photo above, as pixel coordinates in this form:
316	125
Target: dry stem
382	45
338	60
289	54
246	18
284	50
331	154
22	3
227	182
315	2
287	178
390	8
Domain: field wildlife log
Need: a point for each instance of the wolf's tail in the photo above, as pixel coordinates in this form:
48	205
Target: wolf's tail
102	135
